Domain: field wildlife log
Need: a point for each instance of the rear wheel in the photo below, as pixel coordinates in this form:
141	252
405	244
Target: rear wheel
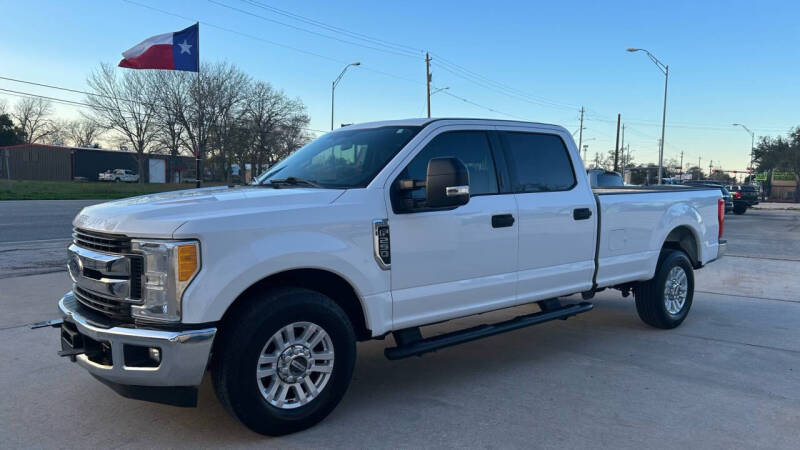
740	208
286	361
664	301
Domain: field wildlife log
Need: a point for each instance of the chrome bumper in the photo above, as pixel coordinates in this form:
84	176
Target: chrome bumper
184	354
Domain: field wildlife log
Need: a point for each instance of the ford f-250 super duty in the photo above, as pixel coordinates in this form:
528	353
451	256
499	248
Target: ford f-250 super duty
369	230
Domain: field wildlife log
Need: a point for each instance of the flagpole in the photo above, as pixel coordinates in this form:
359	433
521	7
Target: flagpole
198	167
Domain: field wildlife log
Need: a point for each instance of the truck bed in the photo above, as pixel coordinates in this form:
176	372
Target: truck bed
634	222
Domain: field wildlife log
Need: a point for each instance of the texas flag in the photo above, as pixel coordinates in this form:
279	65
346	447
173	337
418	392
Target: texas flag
171	51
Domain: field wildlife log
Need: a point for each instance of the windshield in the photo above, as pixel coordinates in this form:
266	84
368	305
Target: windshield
344	159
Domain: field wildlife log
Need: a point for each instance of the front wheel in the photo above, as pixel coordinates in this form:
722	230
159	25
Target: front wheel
665	300
286	362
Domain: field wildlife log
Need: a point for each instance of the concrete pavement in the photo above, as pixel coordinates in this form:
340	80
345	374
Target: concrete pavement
729	377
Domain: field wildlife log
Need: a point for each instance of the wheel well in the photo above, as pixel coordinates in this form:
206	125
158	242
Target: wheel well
322	281
682	238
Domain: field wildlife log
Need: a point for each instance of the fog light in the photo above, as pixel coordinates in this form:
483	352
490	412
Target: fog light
155	354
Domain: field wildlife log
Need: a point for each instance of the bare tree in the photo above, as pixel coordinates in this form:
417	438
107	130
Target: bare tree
170	134
3	107
200	102
33	116
273	118
121	104
82	132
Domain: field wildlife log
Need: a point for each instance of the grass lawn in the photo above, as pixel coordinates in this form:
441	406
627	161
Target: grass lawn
73	190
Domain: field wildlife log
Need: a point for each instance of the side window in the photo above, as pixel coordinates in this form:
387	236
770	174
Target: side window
471	147
539	162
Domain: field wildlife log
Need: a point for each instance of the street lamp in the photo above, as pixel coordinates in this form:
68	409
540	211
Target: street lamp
335	82
752	141
665	70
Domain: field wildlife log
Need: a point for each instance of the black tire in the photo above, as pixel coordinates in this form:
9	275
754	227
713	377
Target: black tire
117	180
240	345
650	295
740	208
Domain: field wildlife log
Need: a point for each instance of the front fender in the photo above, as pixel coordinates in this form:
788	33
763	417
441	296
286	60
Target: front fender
237	263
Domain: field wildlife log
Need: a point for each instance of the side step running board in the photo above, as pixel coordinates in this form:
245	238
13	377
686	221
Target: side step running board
410	342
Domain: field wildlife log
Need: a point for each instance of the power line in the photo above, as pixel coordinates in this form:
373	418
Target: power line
252	14
482	106
81	104
469	73
333	28
498	90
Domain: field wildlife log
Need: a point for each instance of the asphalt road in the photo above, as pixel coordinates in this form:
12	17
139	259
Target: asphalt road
28	220
729	377
35	235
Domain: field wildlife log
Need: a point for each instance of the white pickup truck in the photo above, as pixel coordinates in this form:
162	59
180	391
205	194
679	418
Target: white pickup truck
370	230
118	175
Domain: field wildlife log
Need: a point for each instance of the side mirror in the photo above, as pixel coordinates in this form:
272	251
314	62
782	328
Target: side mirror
447	183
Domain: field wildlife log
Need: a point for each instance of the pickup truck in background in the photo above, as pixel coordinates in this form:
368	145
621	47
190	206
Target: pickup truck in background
744	193
373	229
118	175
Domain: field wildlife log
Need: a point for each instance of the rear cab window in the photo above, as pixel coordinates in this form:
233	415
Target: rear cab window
538	162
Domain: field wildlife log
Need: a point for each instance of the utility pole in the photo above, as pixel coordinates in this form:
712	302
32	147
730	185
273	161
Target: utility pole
616	146
585	150
596	160
622	147
698	164
428	80
580	131
710	165
680	176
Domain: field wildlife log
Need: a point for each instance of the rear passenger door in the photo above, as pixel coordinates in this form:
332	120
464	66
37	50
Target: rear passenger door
557	215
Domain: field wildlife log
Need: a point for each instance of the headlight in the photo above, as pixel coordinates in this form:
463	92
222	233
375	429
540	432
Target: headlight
169	267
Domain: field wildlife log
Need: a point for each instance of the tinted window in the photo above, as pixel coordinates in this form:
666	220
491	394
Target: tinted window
471	147
345	159
748	188
539	162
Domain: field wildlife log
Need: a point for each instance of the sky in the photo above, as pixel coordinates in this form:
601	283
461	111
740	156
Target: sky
730	61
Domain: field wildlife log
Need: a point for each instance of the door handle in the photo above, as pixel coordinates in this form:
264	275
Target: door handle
581	213
502	220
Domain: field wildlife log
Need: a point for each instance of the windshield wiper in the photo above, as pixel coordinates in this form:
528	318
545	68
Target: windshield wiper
294	181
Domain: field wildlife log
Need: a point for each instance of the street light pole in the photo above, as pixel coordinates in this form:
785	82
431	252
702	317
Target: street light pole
752	141
336	82
665	70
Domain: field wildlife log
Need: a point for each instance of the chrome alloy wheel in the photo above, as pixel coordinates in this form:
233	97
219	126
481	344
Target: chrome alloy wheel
676	288
295	365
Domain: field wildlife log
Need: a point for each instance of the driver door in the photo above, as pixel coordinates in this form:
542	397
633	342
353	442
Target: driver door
453	262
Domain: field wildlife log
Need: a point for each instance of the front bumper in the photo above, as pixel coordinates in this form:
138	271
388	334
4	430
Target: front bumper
184	354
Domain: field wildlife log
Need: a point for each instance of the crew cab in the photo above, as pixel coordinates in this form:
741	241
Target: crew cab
370	230
118	175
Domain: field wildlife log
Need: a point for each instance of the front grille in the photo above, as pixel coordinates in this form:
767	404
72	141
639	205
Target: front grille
115	308
137	269
111	243
110	307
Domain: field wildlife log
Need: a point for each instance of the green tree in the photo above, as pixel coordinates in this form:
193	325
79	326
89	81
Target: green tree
780	153
9	134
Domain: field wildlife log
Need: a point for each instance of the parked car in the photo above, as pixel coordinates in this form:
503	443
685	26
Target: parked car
745	192
604	178
726	195
372	229
118	175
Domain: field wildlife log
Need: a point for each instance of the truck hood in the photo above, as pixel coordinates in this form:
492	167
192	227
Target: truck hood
159	215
